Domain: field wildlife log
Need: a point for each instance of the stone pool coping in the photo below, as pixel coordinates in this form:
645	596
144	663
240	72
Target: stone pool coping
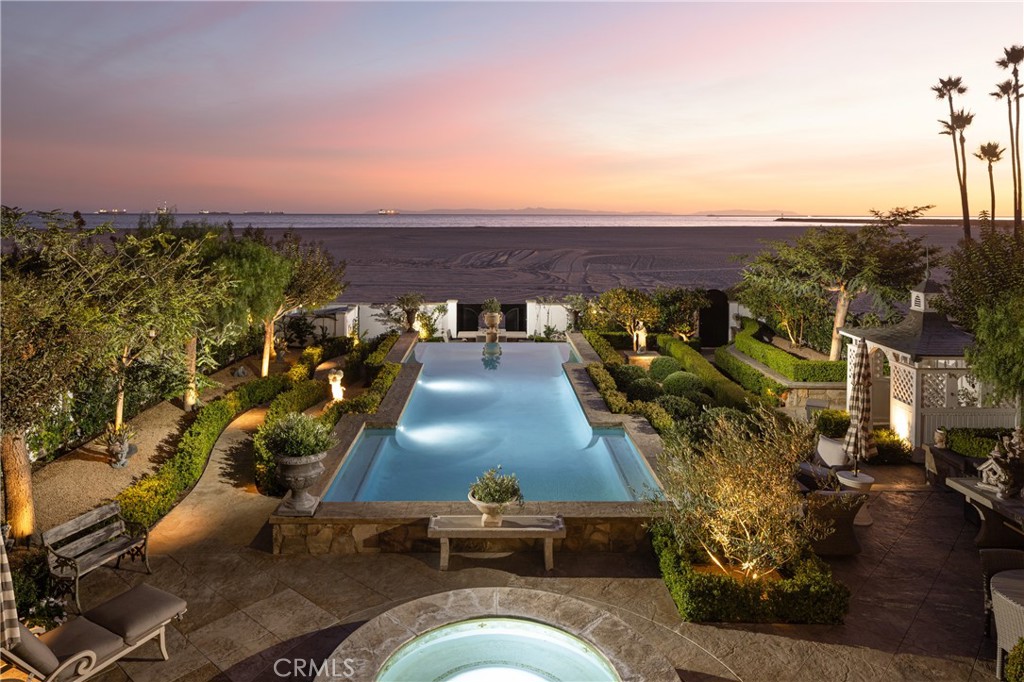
367	649
355	527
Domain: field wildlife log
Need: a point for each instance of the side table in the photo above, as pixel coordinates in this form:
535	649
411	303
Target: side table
860	482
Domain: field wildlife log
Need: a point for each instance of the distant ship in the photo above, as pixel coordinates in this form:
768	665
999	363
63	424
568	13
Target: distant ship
112	210
205	212
387	211
262	212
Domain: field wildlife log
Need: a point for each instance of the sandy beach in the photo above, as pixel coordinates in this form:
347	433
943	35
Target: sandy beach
517	263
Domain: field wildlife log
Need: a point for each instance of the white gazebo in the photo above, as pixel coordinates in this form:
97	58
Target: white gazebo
919	377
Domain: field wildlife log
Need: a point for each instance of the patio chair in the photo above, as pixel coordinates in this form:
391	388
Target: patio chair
831	453
995	561
89	644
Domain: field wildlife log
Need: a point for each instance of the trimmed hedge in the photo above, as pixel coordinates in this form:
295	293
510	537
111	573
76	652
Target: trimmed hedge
375	360
678	407
809	595
973	442
618	340
306	364
725	391
786	364
746	376
682	383
832	423
618	403
605	351
645	389
152	496
369	400
300	397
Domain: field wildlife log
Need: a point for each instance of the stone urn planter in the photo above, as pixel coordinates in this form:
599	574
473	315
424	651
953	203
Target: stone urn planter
299	474
940	437
492	320
119	446
490	512
492	493
298	443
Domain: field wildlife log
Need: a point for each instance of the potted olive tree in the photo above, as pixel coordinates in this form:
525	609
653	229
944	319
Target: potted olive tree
492	493
299	443
492	313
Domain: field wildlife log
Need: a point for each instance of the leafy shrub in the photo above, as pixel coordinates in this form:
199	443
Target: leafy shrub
627	375
368	401
972	442
680	383
810	595
747	376
604	350
151	497
306	364
1013	671
601	377
618	340
725	391
663	366
832	423
497	488
892	449
677	407
654	413
786	364
336	346
297	435
644	389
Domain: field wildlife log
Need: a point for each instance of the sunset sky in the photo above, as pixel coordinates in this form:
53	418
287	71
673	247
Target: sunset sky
819	108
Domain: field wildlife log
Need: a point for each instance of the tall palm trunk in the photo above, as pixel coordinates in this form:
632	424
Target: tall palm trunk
19	509
960	158
1014	169
992	190
1018	233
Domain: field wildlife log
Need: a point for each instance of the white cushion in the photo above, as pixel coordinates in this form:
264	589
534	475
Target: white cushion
831	452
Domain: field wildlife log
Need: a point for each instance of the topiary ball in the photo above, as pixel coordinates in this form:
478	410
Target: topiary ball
662	367
645	390
626	375
680	383
678	408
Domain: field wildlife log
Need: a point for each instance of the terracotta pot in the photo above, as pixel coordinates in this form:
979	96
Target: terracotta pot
490	511
299	474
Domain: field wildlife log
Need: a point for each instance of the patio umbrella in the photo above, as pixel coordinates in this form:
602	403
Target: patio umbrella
859	443
9	613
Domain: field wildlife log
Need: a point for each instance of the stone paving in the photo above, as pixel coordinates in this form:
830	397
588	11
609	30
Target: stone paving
916	611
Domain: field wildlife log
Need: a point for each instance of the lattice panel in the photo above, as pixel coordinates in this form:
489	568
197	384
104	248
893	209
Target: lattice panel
903	384
933	389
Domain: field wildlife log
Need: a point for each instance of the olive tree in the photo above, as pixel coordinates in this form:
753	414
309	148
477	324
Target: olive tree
679	309
628	308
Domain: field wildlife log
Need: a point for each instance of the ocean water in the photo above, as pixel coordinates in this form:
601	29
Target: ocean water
307	221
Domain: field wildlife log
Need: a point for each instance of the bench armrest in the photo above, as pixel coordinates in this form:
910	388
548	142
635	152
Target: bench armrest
62	560
135	530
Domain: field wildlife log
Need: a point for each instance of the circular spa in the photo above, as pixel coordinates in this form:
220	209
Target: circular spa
498	634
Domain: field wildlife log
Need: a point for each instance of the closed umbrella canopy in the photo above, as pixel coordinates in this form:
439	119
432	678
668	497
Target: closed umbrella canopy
859	443
10	638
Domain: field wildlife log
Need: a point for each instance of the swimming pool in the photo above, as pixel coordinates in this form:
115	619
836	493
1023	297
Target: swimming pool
467	414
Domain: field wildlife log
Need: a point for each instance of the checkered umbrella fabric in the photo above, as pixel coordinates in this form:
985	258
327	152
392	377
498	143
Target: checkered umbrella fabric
10	636
859	443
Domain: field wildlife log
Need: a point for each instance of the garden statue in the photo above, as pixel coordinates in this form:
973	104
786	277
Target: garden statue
641	337
334	377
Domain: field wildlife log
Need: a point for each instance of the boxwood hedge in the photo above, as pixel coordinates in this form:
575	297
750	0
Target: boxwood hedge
725	391
786	364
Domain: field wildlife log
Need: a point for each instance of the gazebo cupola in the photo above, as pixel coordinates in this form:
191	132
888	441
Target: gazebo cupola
928	383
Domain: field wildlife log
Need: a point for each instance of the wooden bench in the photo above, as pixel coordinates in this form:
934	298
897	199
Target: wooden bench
87	542
512	527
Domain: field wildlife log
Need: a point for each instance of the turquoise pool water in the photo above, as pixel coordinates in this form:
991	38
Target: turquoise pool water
497	650
466	415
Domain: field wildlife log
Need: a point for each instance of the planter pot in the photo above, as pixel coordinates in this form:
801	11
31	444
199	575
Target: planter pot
490	511
299	474
492	320
940	438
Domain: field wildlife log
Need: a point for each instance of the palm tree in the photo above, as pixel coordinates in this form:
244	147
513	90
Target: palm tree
1012	57
947	87
990	152
1005	89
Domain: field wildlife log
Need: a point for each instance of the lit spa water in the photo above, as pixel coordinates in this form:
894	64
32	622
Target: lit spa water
497	650
464	417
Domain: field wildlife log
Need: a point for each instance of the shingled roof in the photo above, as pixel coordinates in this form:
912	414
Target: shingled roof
919	335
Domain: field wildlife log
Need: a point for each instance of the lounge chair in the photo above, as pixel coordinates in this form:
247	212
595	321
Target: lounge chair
830	452
87	645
